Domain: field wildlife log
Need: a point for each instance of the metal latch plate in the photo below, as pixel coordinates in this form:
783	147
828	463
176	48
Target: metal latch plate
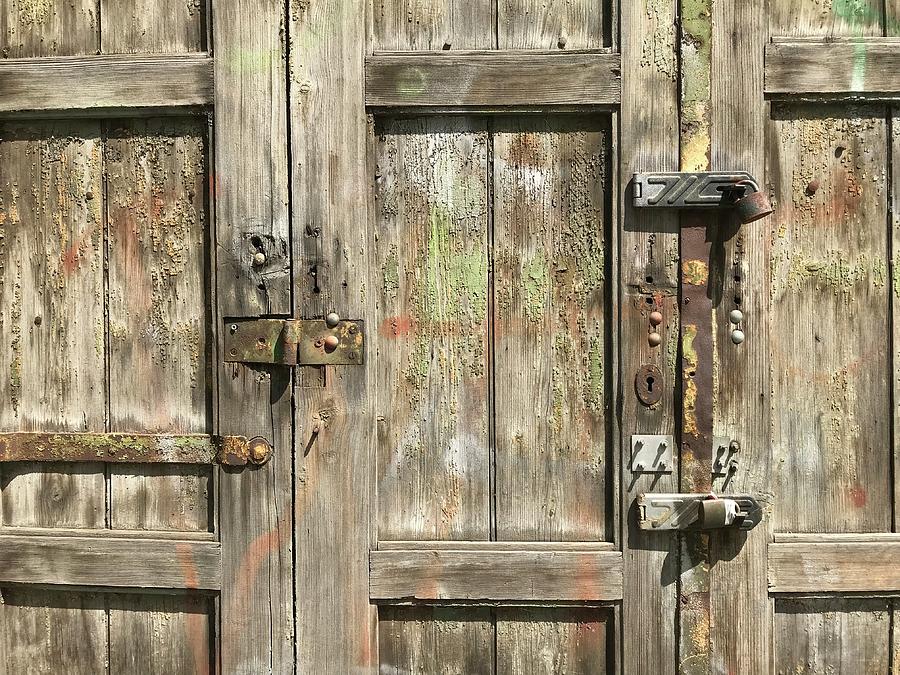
689	190
688	511
294	342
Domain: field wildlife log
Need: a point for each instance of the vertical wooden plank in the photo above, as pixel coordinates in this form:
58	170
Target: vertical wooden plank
46	631
538	24
335	421
152	26
833	635
442	640
160	634
158	313
554	641
413	25
550	177
648	281
895	300
48	28
250	188
431	343
830	402
51	312
741	612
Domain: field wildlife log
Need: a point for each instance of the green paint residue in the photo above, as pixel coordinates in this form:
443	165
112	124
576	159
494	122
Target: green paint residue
390	273
535	284
687	347
834	271
895	275
594	389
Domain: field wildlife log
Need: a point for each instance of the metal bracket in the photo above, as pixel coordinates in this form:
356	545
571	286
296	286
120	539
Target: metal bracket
735	190
725	461
697	512
295	342
652	454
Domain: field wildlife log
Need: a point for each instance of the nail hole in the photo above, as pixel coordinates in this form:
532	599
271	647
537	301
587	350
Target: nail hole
692	373
737	300
737	278
839	151
648	300
649	280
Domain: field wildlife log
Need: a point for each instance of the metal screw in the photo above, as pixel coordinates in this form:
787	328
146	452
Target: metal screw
562	41
332	319
352	329
331	342
319	342
737	336
655	339
38	321
234	328
734	446
259	258
234	352
656	318
736	316
352	356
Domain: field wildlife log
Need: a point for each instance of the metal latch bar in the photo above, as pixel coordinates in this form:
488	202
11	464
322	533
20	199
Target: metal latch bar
134	448
697	512
293	342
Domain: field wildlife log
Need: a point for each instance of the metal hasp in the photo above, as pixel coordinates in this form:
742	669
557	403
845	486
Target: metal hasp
295	342
697	512
738	191
652	454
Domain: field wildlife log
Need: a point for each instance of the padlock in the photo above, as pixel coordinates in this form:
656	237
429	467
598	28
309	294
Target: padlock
716	513
753	206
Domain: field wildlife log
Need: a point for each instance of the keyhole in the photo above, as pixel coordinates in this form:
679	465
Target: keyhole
650	382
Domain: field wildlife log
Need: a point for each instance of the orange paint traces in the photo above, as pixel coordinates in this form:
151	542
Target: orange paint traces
397	326
858	495
197	633
70	258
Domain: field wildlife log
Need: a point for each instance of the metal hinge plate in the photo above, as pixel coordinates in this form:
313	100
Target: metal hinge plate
294	342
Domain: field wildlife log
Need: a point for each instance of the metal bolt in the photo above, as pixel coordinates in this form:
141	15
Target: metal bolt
234	352
331	342
259	258
260	450
655	339
319	342
656	318
737	336
38	321
332	319
736	316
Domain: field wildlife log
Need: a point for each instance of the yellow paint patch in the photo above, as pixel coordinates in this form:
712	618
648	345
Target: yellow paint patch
694	272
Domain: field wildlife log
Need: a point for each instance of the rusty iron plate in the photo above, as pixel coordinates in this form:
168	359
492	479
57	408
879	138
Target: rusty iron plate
648	383
294	342
134	448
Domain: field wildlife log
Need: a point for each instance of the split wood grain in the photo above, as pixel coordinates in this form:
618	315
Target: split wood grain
115	563
105	82
492	79
867	68
412	25
495	575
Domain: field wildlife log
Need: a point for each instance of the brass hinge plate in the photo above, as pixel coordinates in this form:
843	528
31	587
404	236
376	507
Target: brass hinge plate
294	342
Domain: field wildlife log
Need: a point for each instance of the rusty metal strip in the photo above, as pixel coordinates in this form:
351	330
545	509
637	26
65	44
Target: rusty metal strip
134	448
292	342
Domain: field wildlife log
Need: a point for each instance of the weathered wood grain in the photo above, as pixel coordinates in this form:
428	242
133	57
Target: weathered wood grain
894	126
158	312
29	28
575	641
432	340
648	281
491	79
495	575
550	178
414	25
152	26
457	545
102	561
533	24
834	635
830	409
249	186
334	272
859	69
824	567
802	18
42	631
101	82
419	639
740	610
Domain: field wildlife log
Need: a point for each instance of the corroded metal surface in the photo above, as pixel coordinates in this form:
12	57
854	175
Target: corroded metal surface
133	448
294	342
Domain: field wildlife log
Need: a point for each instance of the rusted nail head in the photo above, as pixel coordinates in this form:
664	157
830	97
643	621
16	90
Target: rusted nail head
352	329
38	321
656	318
353	356
813	187
260	450
331	342
319	342
655	339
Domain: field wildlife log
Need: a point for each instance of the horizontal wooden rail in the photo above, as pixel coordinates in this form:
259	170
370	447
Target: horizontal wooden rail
865	68
105	82
461	80
835	566
496	575
112	562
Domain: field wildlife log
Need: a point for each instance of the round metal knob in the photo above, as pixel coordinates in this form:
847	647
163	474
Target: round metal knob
331	343
736	316
259	259
655	339
332	319
656	318
737	336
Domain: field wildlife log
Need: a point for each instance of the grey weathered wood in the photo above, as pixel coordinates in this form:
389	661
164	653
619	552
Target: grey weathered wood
825	20
434	24
576	641
114	82
420	639
425	544
492	79
834	567
844	636
102	561
648	280
869	68
495	575
152	26
894	126
333	257
550	178
30	29
432	340
533	24
740	610
249	187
